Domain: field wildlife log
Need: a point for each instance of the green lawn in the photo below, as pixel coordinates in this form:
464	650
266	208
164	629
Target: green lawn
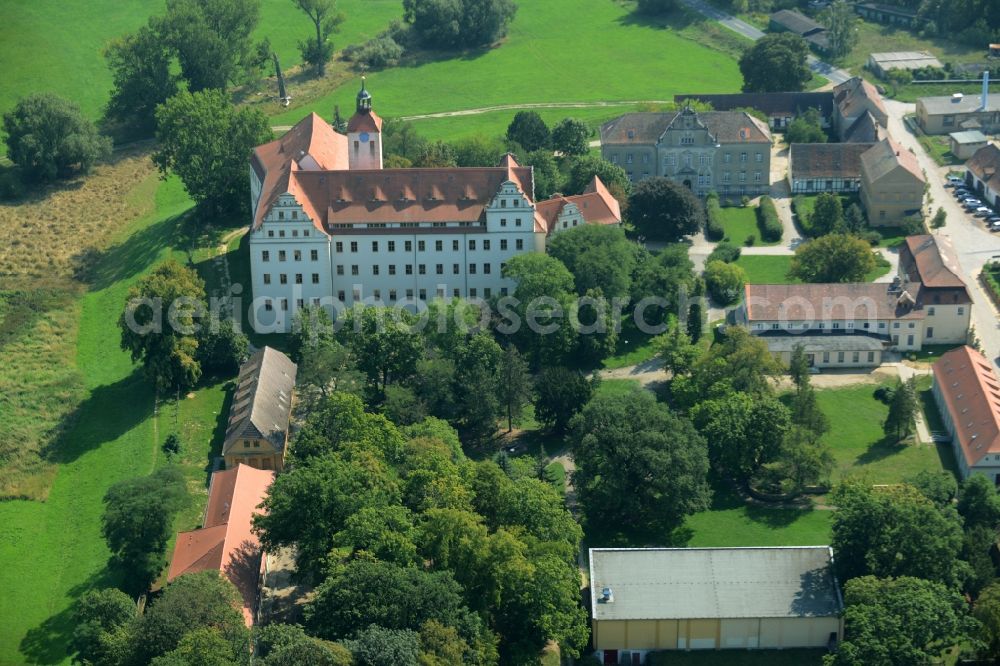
52	552
633	348
613	387
766	269
803	205
857	441
494	123
555	474
747	525
740	223
877	38
56	46
556	51
938	148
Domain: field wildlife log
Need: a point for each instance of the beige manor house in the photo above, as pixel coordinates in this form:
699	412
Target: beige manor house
851	325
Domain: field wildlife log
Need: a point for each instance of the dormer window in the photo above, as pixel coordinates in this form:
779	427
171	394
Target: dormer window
503	203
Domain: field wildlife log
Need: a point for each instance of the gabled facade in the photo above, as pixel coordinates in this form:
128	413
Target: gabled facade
331	227
892	184
728	152
852	99
257	434
825	167
982	174
852	324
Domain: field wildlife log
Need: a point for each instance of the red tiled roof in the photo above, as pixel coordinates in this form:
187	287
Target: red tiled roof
820	302
884	157
364	122
985	163
274	162
971	394
934	261
597	206
225	543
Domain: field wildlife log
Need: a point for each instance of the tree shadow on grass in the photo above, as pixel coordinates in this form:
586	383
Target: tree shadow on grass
132	255
880	450
106	414
677	19
48	643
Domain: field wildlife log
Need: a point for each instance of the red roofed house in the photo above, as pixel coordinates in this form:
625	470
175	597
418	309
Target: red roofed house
967	393
225	542
331	226
892	183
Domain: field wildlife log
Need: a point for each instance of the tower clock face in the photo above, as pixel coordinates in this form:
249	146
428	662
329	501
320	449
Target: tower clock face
364	136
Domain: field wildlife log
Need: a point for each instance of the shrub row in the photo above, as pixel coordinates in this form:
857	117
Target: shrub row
714	229
767	219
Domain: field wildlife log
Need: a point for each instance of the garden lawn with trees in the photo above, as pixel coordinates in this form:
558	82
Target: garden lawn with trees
616	47
740	223
57	48
105	444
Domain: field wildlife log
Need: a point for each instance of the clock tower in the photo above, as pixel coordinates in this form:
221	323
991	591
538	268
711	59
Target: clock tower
364	134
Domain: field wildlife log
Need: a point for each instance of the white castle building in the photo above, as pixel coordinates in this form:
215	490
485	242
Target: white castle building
331	227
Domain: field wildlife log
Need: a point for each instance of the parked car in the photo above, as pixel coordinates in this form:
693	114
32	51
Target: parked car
953	181
995	226
982	211
962	193
990	219
970	206
971	200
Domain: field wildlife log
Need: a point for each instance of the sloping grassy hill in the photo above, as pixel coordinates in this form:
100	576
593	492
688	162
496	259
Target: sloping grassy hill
47	45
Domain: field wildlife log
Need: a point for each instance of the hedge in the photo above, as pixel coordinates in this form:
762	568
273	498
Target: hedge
767	217
714	229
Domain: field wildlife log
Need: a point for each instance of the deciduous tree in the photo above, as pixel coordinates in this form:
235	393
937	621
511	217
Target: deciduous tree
895	531
514	384
900	421
207	142
613	176
529	131
559	394
166	345
978	502
101	626
828	214
806	129
899	622
317	50
775	63
49	138
570	136
384	343
833	258
599	257
637	476
140	68
213	41
664	210
725	282
841	28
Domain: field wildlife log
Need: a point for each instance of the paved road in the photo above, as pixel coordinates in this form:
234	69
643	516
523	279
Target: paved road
834	74
973	244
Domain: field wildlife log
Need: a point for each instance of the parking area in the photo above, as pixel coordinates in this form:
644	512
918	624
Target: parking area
975	208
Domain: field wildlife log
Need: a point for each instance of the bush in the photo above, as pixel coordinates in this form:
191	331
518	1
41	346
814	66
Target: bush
378	53
725	252
873	237
714	229
767	217
884	394
750	240
725	282
913	225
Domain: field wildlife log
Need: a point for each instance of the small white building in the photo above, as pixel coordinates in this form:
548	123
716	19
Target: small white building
648	599
967	393
964	144
883	63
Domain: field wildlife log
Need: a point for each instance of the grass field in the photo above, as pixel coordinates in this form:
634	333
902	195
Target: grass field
766	269
877	38
939	150
741	223
52	552
555	52
494	123
55	46
857	441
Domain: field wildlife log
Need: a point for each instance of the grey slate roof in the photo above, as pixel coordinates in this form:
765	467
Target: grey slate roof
864	130
262	402
969	136
706	583
796	22
773	103
646	128
827	343
826	160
